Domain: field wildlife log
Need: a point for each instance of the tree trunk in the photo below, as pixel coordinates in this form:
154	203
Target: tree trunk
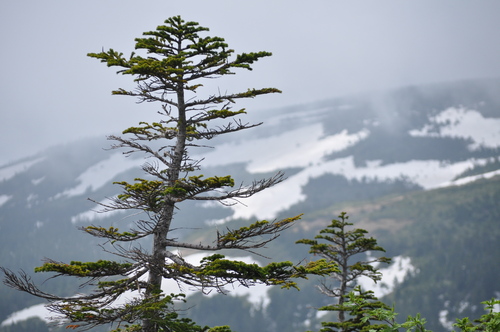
163	226
343	281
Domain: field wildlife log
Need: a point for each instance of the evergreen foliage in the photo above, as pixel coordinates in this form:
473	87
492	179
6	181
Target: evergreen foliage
386	315
177	61
489	322
235	311
339	245
356	314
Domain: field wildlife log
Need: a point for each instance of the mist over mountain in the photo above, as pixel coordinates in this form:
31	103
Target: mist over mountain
418	167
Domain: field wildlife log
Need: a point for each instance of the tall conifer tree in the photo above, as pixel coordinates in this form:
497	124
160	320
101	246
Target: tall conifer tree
177	61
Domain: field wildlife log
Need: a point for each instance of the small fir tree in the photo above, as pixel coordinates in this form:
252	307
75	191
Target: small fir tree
357	312
488	322
339	245
178	60
385	315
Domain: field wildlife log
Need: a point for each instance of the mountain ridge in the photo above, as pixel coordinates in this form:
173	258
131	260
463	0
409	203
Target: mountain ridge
365	155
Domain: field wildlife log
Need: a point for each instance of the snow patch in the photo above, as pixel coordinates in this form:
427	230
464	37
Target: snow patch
295	148
36	182
429	174
443	320
31	200
4	199
373	163
38	310
462	306
463	123
96	213
392	275
101	174
9	172
469	179
496	307
306	148
311	115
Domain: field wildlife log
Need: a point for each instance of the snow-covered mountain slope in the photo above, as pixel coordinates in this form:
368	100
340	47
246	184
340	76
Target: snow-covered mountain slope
346	149
316	153
457	137
463	123
416	137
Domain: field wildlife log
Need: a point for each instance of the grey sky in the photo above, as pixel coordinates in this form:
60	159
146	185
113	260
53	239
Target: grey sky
52	93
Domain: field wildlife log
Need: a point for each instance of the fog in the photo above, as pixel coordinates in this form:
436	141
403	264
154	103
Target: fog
52	93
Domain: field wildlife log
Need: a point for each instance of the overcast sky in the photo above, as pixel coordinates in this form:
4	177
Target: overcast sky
52	93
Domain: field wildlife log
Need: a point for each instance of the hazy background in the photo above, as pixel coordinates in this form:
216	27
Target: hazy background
51	92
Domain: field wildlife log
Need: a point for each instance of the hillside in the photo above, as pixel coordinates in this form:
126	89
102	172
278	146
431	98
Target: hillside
444	243
418	167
